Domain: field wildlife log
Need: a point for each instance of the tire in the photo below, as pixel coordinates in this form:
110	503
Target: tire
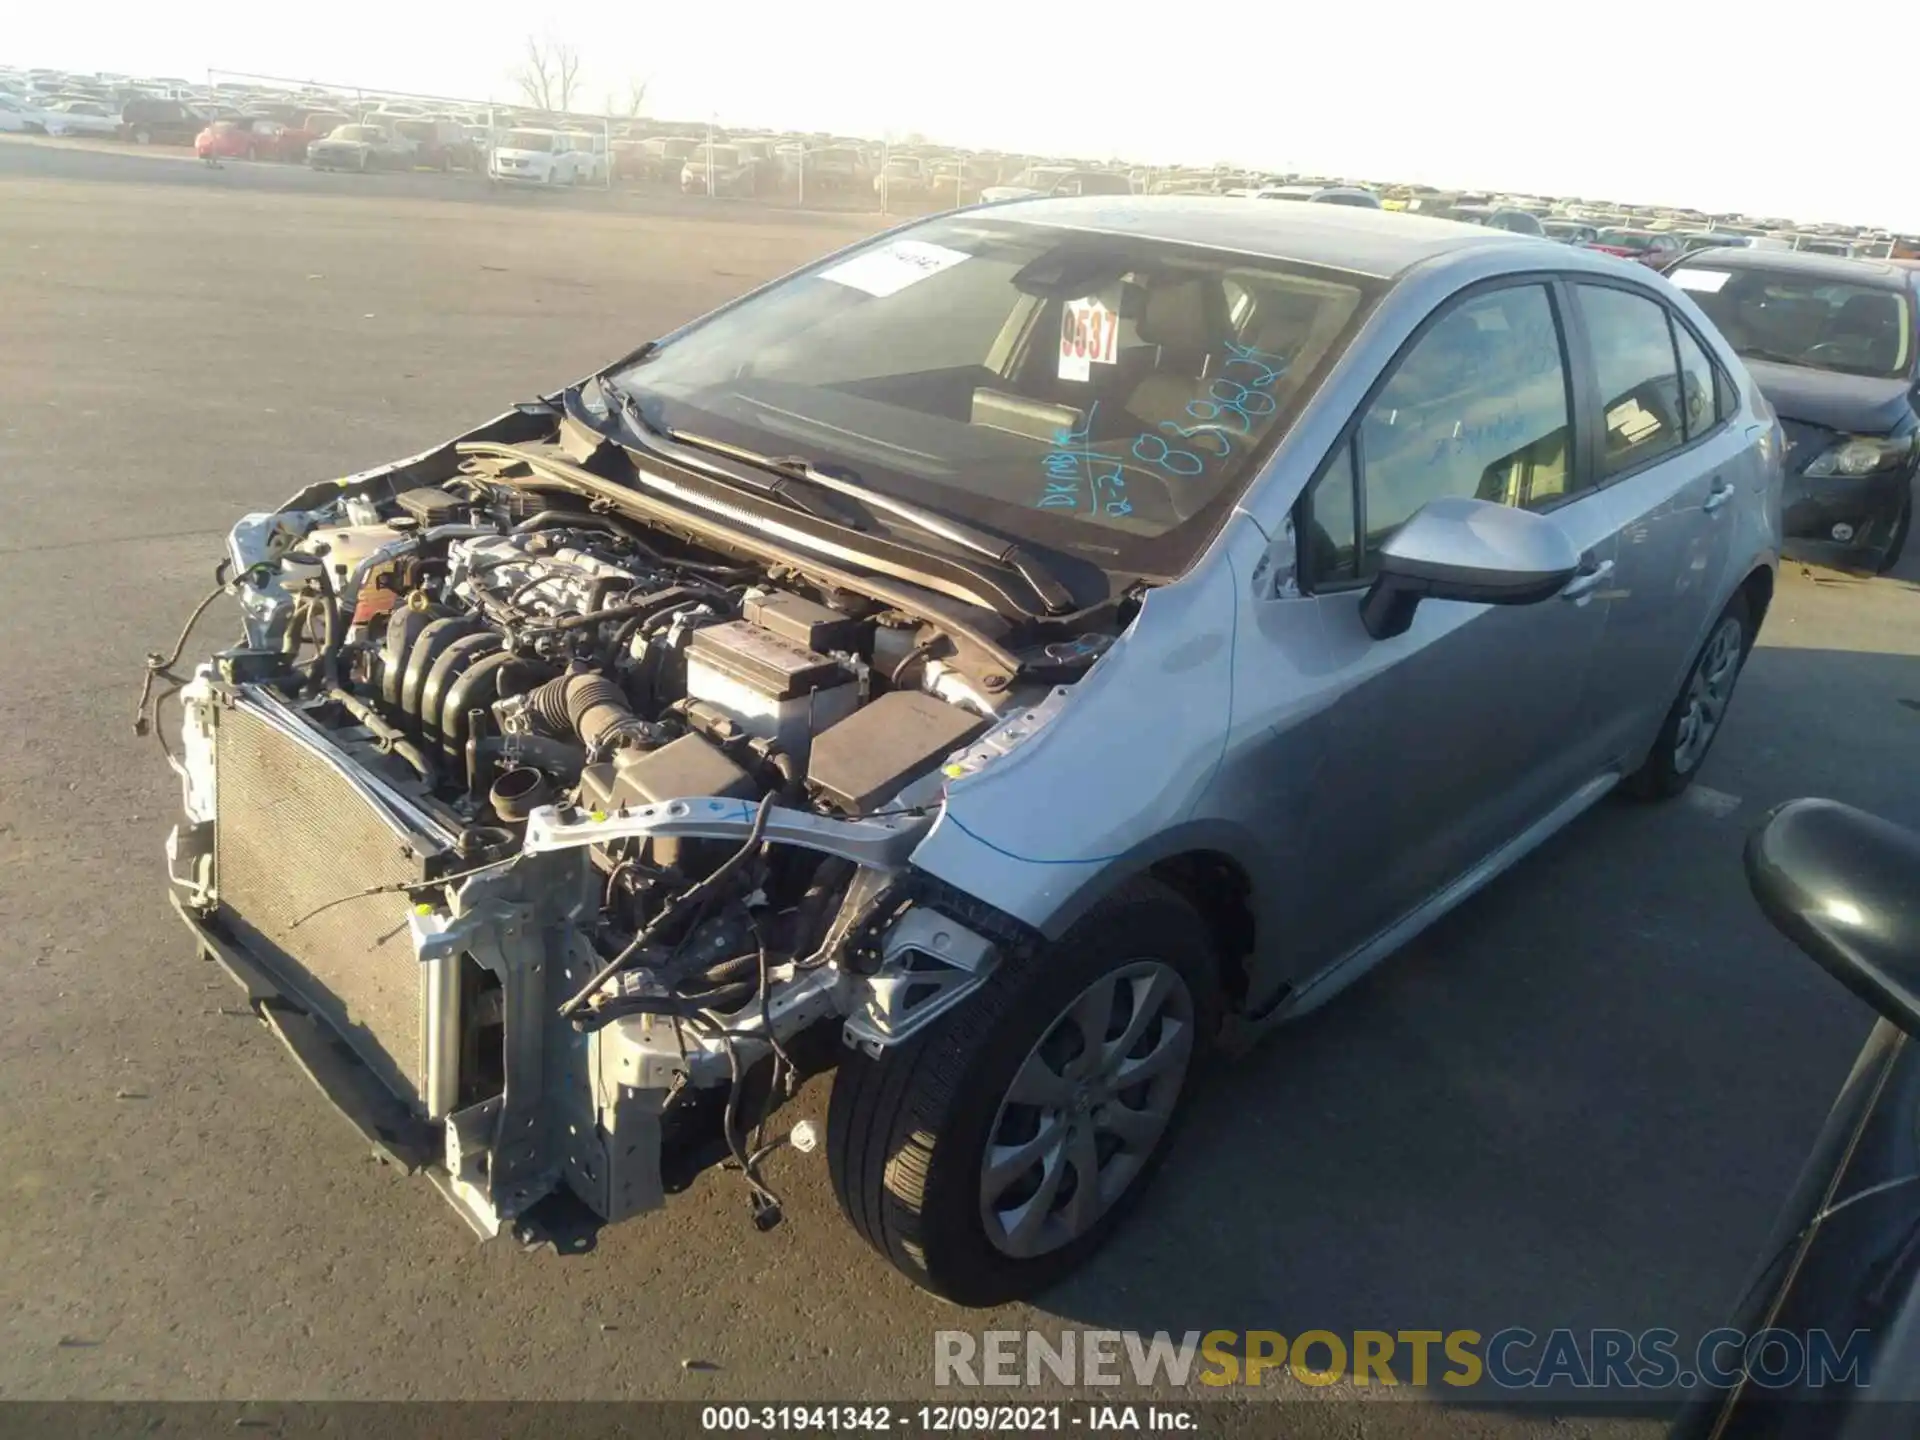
1670	766
1897	546
907	1133
142	135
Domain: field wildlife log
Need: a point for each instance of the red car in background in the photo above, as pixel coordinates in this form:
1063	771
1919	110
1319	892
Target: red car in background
1650	247
250	139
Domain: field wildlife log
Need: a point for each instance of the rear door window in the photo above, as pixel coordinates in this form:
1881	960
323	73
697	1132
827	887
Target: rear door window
1698	407
1639	377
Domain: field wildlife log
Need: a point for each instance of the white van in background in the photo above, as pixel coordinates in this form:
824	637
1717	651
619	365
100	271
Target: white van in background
543	157
591	160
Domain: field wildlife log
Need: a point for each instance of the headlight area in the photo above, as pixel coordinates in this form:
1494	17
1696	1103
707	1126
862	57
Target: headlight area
1857	456
557	848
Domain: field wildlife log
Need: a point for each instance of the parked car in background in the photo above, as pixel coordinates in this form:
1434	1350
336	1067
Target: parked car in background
228	140
1649	247
1314	195
1354	195
1063	180
437	144
1834	344
161	122
79	117
903	177
768	171
312	125
537	157
716	169
833	168
1571	232
19	116
591	162
657	158
363	146
1500	217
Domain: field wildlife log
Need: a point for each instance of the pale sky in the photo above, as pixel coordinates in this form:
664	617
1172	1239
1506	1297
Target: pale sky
1678	104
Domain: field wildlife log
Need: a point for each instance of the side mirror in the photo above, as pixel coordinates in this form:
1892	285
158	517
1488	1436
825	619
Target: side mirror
1844	886
1473	550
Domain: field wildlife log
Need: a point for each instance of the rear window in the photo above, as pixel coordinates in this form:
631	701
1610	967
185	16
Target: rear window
1794	318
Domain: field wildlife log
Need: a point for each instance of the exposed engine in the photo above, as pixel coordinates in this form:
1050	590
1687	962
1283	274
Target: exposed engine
643	792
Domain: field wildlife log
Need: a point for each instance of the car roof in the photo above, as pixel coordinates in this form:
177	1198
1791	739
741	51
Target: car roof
1382	243
1881	273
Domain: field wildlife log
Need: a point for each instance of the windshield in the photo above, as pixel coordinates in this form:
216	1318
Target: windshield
1793	318
527	140
357	132
1098	393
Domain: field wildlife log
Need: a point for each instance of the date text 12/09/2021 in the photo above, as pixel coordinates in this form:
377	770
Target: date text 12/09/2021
947	1419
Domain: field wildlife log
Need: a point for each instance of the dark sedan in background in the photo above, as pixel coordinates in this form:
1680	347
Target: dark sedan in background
1834	344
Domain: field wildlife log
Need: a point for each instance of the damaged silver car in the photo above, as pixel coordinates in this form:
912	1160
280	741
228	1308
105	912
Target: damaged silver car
1005	661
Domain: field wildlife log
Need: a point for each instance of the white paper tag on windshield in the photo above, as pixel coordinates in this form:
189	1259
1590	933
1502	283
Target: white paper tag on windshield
1705	280
1089	336
893	267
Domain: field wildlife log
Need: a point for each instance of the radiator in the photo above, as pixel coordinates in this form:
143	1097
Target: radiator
291	834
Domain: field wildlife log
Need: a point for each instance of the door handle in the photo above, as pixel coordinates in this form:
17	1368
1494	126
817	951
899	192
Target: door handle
1586	580
1719	495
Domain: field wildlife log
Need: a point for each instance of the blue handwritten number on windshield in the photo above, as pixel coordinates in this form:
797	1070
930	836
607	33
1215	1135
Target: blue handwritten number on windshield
1178	462
1212	441
1072	460
1270	367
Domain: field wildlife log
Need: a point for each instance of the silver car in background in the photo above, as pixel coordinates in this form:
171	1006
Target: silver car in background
1019	653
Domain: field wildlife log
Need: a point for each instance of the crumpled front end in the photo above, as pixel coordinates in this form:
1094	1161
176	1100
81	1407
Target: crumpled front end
555	853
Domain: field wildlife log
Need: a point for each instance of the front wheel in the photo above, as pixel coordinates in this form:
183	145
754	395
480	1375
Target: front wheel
1694	721
990	1156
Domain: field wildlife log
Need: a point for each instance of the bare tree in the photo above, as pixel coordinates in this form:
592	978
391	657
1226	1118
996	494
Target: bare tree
630	107
549	74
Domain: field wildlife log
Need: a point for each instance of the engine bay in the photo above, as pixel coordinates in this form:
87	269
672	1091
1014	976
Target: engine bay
657	800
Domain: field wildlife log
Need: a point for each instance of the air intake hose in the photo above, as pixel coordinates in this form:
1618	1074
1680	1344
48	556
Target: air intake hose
591	707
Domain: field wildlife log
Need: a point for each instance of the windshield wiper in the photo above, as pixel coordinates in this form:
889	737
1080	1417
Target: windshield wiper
1010	553
810	503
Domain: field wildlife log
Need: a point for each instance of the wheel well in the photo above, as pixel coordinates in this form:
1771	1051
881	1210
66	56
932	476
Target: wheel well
1758	590
1216	886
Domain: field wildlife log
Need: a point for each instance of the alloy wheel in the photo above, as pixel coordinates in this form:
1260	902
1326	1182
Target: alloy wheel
1708	690
1086	1109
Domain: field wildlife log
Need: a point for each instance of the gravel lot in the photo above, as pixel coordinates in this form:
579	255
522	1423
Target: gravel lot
1575	1102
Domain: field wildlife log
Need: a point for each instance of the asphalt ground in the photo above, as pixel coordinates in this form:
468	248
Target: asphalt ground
1575	1102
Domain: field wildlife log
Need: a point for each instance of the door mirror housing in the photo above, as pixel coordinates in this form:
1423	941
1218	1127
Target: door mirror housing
1844	886
1472	550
